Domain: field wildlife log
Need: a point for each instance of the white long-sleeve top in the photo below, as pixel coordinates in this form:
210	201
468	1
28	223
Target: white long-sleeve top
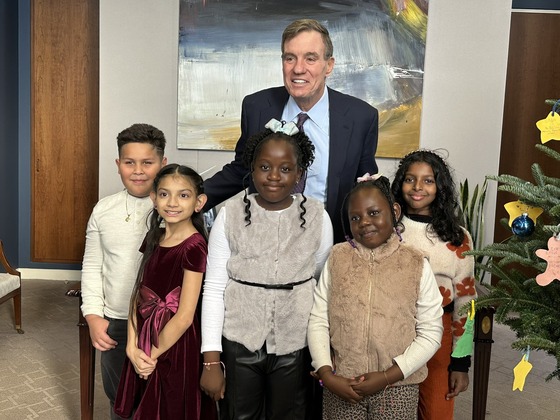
428	324
217	277
111	257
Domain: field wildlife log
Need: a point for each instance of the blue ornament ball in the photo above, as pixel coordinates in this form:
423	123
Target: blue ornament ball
523	226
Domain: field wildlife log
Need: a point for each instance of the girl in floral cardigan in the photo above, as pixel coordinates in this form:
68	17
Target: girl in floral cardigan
424	188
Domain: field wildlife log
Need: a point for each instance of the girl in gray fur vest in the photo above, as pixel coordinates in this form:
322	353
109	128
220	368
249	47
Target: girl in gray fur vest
265	252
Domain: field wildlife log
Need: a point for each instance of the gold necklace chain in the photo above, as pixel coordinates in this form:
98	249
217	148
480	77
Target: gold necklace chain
126	205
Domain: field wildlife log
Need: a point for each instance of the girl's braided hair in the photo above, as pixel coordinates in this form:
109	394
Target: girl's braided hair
303	148
445	209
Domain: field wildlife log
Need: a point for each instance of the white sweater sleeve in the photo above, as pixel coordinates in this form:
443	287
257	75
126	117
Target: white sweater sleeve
325	246
93	301
214	286
429	327
318	337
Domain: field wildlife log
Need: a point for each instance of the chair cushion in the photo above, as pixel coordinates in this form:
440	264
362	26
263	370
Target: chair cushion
8	283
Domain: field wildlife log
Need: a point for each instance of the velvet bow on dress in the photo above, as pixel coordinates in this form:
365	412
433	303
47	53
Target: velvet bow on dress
156	313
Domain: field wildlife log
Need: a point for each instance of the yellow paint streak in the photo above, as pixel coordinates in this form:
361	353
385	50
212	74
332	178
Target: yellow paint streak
412	17
399	130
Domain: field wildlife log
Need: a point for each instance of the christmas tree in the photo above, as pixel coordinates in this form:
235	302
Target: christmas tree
526	266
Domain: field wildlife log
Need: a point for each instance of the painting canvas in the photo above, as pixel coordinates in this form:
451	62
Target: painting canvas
229	49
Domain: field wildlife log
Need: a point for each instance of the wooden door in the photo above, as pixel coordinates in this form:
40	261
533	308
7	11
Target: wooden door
64	126
532	77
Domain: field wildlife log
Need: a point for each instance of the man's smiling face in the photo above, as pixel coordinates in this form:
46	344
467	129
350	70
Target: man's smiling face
305	68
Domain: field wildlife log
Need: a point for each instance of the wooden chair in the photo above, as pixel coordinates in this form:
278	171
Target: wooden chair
10	287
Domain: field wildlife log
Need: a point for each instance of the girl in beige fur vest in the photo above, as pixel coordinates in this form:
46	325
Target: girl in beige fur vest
376	318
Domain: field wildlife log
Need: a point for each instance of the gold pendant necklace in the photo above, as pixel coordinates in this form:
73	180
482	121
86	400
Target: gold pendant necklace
126	204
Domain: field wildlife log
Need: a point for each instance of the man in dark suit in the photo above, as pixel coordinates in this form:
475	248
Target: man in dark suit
342	128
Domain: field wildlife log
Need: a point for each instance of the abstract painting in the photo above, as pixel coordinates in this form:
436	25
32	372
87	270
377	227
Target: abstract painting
229	49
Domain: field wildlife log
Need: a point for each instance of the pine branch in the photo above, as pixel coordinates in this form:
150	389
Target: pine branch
552	192
555	211
511	252
553	229
528	193
548	151
506	179
536	343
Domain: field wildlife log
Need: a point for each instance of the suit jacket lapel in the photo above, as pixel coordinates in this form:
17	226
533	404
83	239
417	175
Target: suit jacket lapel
340	131
276	103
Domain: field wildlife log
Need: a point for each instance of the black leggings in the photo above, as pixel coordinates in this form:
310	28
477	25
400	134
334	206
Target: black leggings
265	386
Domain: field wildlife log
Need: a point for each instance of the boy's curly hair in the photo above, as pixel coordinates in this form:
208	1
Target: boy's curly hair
302	146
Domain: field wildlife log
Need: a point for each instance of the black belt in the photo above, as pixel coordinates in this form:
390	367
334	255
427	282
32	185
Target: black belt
286	286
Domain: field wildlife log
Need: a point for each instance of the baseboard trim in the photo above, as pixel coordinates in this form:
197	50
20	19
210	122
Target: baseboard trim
43	274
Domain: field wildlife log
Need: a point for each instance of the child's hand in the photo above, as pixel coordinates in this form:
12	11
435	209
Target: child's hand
343	387
212	382
372	382
458	382
143	364
98	333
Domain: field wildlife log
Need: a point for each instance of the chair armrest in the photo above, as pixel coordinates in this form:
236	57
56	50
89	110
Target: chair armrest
3	260
74	289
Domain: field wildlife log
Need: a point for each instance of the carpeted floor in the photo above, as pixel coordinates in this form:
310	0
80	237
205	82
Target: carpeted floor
39	375
39	370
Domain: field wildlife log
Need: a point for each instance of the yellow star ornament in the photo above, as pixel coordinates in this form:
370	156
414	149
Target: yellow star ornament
520	373
517	208
550	127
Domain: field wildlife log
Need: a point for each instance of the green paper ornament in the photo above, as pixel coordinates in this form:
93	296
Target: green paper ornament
464	345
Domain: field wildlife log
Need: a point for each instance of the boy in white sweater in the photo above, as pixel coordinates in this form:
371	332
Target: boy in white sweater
115	231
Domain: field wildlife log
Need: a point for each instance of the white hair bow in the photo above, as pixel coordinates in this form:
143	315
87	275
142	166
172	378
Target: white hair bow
367	177
282	127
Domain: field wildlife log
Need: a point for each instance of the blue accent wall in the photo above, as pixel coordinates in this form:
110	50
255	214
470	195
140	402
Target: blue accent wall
9	205
536	4
24	176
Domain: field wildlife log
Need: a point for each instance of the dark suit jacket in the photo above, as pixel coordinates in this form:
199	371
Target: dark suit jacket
353	142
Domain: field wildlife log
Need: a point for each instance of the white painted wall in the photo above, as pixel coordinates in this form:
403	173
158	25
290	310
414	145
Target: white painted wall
465	73
464	84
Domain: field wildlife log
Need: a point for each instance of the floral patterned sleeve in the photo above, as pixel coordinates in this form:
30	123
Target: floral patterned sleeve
464	291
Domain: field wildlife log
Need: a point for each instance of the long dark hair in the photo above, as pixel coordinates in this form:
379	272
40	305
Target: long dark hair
445	209
303	148
156	232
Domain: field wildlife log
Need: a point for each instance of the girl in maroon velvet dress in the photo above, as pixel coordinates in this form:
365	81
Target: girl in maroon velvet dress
160	379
